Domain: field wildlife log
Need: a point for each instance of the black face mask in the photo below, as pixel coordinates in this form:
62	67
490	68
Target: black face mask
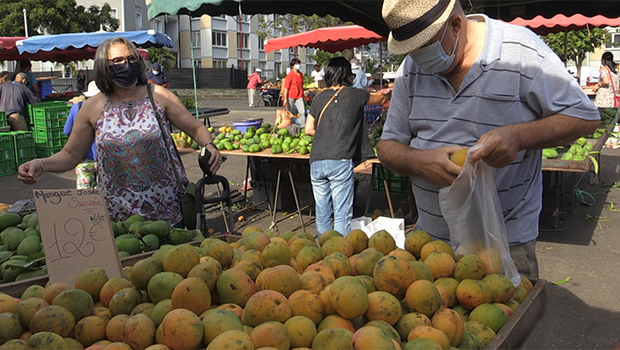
125	75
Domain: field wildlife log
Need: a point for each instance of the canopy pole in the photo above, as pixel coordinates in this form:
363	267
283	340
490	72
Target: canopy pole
191	49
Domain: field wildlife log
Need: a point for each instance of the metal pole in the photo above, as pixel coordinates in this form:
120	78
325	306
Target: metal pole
25	22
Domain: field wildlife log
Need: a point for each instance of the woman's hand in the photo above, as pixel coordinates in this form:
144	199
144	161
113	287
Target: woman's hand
29	171
215	162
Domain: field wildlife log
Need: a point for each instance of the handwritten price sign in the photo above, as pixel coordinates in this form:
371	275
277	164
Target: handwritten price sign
75	233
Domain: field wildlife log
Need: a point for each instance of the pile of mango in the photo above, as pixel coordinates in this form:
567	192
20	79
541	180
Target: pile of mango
182	140
22	256
256	140
276	291
578	150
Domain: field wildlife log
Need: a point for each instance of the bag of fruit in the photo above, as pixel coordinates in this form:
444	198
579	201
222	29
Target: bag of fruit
284	118
473	212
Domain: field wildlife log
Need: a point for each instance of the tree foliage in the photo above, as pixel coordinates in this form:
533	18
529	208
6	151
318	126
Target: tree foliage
321	57
53	17
163	56
578	44
282	25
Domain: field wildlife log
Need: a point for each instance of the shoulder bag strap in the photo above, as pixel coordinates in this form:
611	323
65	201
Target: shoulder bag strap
611	81
164	136
327	104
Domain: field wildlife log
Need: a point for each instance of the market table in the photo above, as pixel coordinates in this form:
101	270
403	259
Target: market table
205	113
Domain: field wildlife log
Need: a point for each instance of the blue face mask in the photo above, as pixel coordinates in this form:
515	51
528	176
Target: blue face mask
156	72
297	66
433	58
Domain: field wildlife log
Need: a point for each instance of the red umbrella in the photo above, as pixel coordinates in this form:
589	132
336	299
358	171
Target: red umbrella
331	39
560	23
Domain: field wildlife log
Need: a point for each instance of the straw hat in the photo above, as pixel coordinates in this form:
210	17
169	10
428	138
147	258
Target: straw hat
414	22
92	89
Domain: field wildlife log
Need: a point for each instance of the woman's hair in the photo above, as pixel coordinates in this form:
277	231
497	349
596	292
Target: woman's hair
338	72
295	61
101	69
608	61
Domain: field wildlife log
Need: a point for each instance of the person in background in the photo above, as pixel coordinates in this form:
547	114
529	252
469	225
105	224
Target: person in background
86	171
318	75
254	82
26	67
361	80
606	89
4	76
135	172
80	81
472	80
294	91
336	120
14	96
156	76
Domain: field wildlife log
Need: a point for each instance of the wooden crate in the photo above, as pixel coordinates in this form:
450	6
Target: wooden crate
515	332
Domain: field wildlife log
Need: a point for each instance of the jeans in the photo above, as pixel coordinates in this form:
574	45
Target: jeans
332	186
301	109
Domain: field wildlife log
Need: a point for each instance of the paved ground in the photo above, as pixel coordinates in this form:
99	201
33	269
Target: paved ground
583	244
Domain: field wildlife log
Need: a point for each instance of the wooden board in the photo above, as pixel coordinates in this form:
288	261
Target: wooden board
266	153
576	166
519	326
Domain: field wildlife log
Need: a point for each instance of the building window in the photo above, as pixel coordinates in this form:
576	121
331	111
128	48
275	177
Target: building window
138	20
243	40
114	13
243	18
614	42
219	38
277	67
261	44
243	64
219	63
220	16
137	2
158	25
293	51
196	38
198	63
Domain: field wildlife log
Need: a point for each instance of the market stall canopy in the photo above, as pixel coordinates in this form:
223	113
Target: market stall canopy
89	41
561	23
367	13
330	39
8	48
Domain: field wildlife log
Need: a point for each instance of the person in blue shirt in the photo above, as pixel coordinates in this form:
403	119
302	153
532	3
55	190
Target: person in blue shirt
86	171
360	80
26	67
156	77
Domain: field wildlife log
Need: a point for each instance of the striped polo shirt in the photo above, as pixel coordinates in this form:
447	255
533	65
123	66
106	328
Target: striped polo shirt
515	79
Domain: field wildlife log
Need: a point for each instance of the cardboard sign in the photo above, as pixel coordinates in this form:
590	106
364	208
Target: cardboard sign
75	233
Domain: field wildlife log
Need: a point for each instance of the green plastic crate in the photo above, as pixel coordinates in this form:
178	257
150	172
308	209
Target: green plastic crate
44	123
43	152
57	142
41	135
7	167
396	184
24	146
7	147
3	120
53	112
43	105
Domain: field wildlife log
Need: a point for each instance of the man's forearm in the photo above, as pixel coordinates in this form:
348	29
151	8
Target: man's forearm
553	131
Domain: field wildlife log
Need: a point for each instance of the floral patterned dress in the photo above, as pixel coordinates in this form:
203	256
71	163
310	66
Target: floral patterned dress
135	174
605	95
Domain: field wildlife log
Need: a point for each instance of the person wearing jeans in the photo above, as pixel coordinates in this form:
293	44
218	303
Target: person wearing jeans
336	120
294	91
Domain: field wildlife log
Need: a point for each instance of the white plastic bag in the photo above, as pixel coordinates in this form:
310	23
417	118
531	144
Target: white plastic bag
360	223
395	227
472	209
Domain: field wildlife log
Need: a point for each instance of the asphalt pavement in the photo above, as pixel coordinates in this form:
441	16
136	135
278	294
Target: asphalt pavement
579	241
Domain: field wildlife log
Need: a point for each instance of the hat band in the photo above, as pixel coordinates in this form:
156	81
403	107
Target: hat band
419	24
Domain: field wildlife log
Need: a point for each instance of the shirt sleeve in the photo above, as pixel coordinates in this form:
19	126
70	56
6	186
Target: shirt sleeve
396	127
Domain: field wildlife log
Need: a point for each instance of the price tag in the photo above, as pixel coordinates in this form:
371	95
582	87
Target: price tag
75	233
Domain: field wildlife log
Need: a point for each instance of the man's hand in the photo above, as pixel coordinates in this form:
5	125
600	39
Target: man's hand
499	147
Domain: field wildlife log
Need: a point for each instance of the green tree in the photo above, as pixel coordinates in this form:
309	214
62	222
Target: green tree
293	24
163	56
53	17
321	57
577	45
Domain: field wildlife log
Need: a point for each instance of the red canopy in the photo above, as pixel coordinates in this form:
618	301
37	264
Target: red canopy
331	39
9	52
560	23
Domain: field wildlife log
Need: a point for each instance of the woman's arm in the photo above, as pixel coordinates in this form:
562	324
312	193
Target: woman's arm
603	80
180	117
309	127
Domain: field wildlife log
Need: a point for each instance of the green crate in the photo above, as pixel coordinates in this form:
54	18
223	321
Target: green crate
396	184
43	105
57	142
7	167
24	146
7	147
42	134
49	123
43	152
50	112
3	120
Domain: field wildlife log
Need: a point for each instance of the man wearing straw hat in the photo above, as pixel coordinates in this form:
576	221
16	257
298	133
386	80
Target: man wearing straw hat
471	80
